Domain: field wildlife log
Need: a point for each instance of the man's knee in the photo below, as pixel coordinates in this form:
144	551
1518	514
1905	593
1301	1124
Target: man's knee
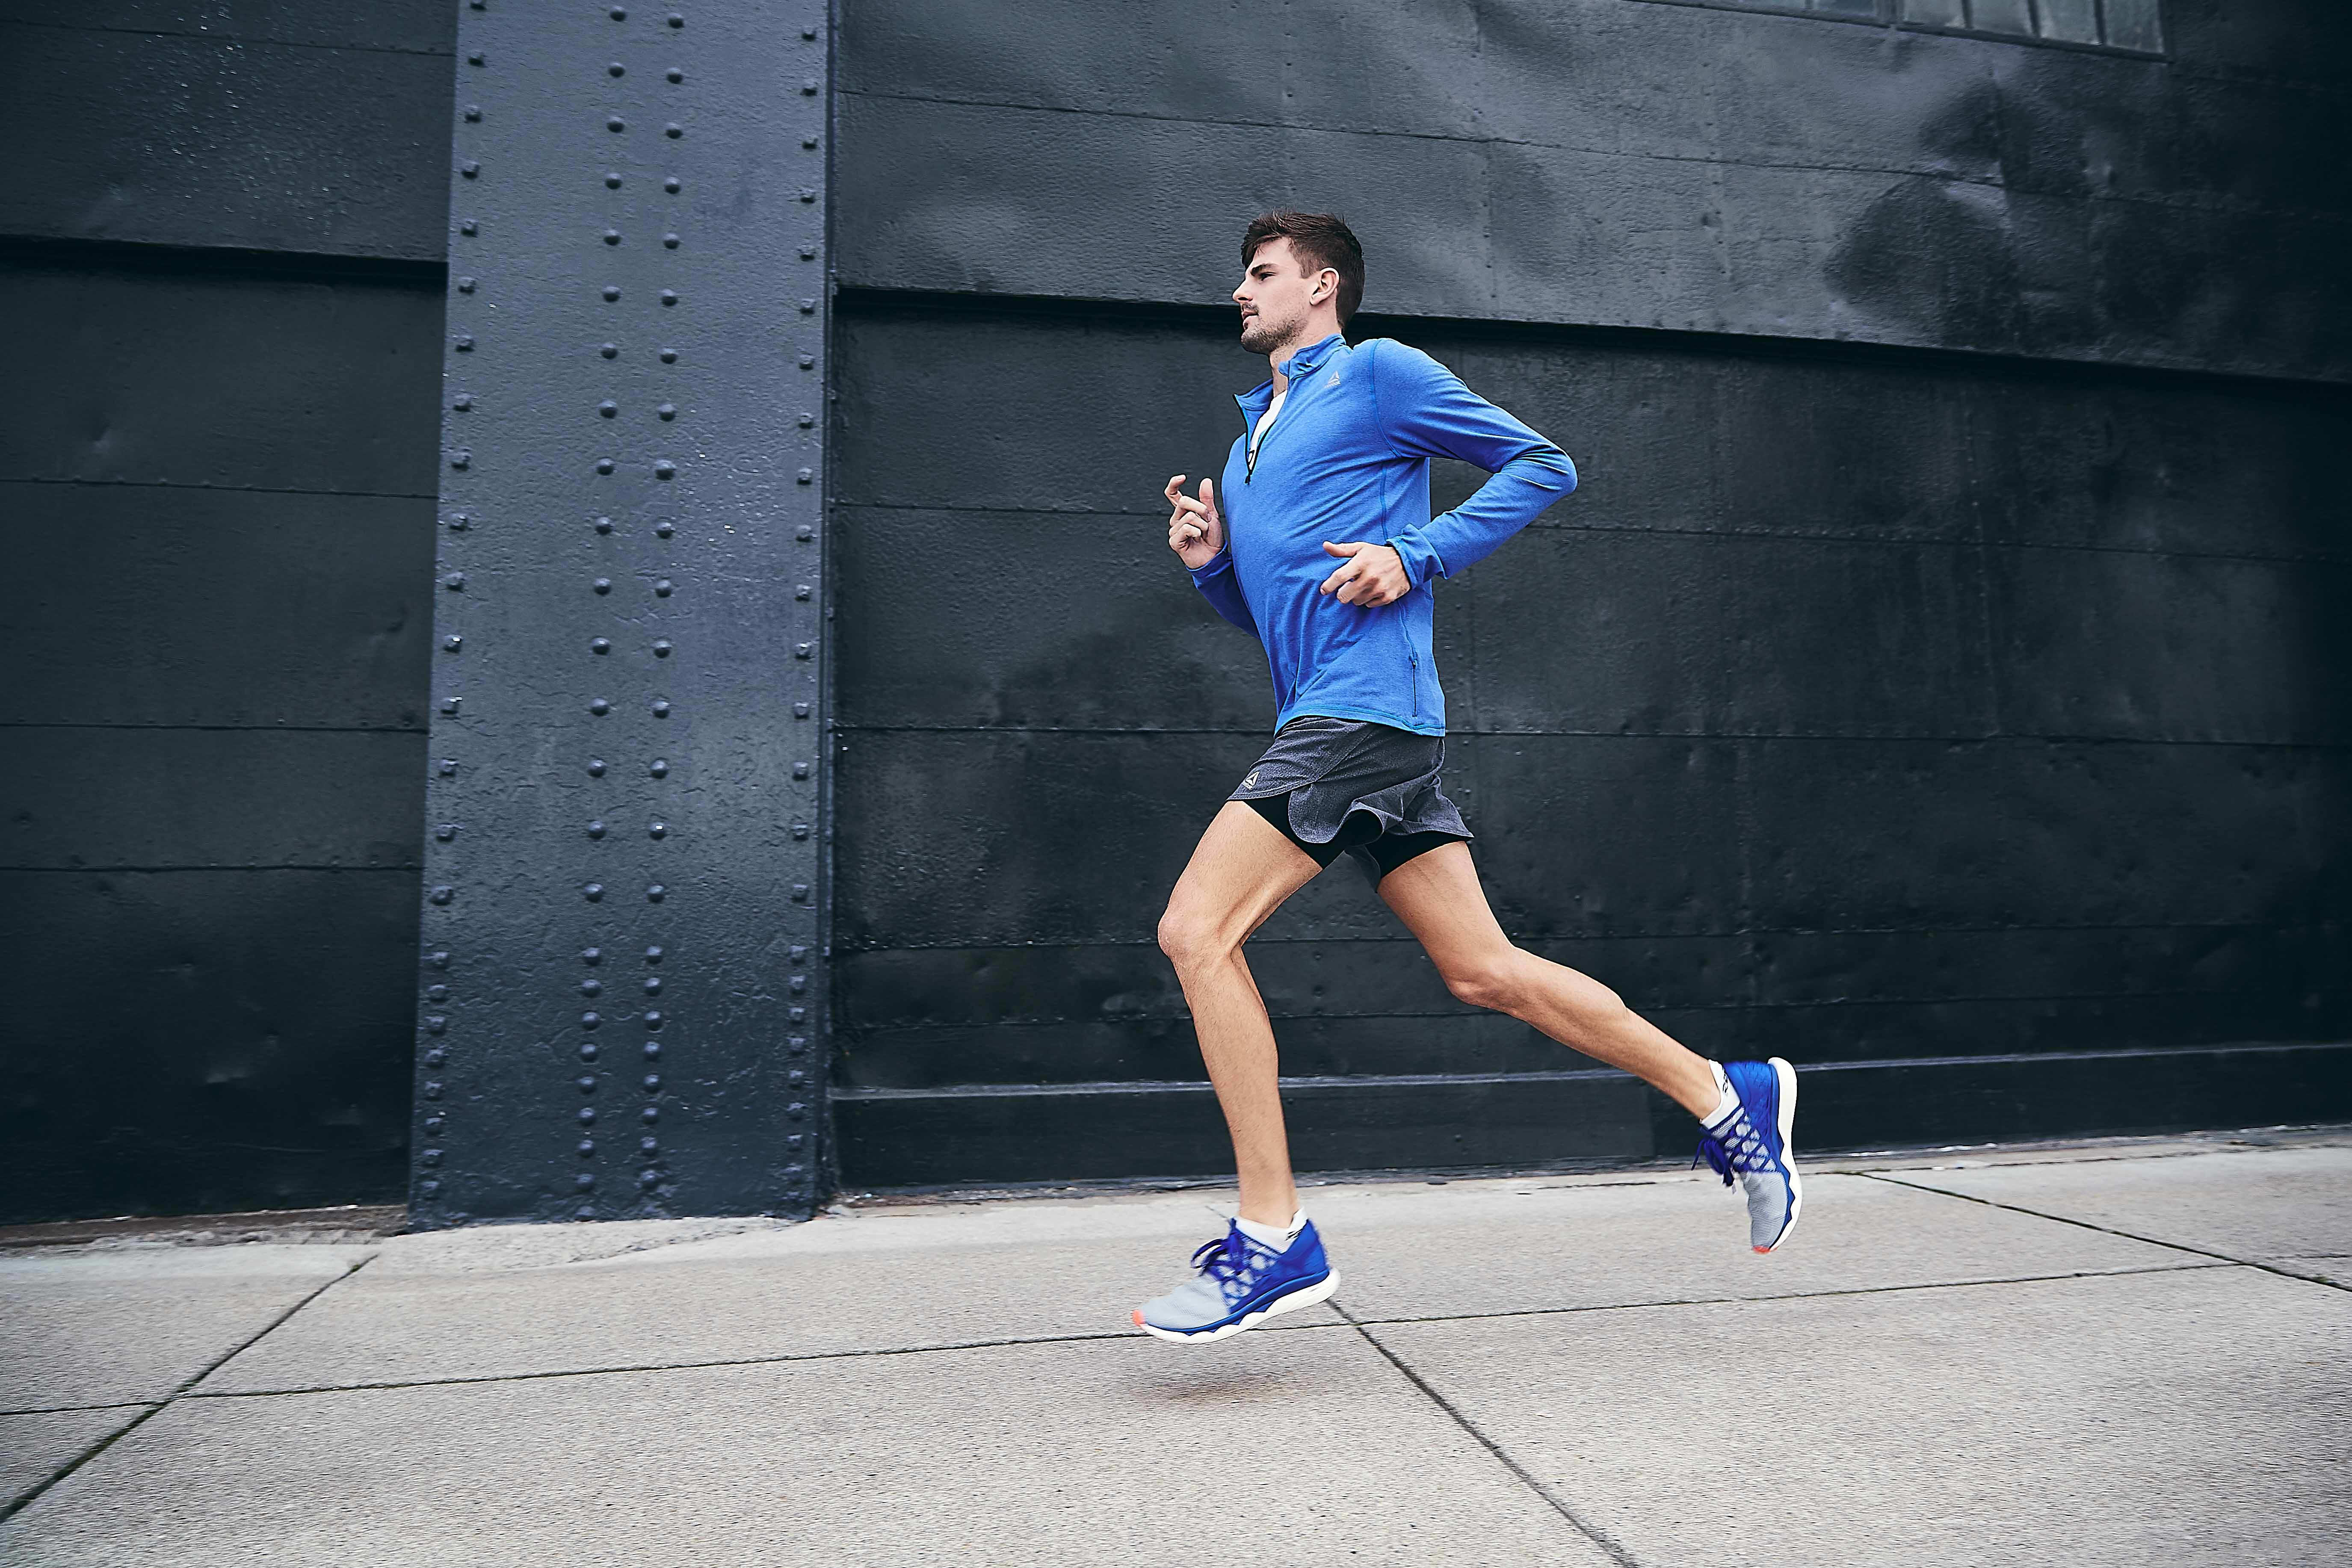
1190	938
1493	979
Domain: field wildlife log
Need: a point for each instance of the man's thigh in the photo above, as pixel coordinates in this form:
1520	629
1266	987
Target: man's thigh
1439	897
1240	873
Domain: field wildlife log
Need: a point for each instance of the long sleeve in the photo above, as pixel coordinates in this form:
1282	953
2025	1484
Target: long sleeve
1426	411
1223	589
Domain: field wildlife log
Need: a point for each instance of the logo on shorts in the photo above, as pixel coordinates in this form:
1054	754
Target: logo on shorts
1251	781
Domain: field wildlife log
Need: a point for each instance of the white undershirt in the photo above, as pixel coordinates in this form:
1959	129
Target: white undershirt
1267	418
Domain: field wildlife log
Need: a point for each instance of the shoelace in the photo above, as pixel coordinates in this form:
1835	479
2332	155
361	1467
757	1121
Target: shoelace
1226	1260
1742	1149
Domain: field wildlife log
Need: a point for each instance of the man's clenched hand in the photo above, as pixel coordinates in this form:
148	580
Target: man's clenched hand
1374	575
1196	531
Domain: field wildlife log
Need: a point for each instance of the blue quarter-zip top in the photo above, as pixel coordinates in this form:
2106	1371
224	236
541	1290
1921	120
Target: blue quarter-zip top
1347	458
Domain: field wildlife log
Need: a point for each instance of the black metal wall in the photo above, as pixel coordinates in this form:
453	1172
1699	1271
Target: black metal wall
1934	679
220	268
1935	668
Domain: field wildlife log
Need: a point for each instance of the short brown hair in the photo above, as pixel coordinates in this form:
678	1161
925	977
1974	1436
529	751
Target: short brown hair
1319	240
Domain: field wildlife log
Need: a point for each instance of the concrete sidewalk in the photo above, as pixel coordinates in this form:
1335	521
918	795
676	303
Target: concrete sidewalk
2127	1352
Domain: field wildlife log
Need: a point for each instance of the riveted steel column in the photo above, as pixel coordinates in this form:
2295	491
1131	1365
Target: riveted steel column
622	986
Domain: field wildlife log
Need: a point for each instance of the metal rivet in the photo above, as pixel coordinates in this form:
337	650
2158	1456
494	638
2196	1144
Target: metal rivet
661	647
592	955
807	195
649	1145
588	1050
475	57
619	15
662	588
584	1180
587	1083
665	528
669	296
443	895
595	771
452	643
612	236
587	1147
665	469
805	533
807	475
435	1056
445	832
653	1054
432	1089
658	830
809	142
800	892
658	768
808	88
650	1113
474	112
808	253
808	32
807	419
676	20
599	706
673	130
670	356
468	227
802	591
653	955
808	361
463	342
653	984
462	402
800	770
655	894
616	68
465	285
461	459
450	704
611	290
469	168
672	184
591	988
458	521
595	830
610	351
615	123
674	74
454	581
804	650
613	180
603	464
661	707
608	408
600	644
669	242
666	411
594	891
800	710
590	1020
604	525
800	830
587	1115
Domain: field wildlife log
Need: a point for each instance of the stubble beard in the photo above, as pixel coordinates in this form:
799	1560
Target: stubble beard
1257	338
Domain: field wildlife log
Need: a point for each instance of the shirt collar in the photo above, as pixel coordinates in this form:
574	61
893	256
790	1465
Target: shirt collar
1302	364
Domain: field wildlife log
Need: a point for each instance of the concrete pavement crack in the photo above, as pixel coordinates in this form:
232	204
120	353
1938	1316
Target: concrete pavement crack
2108	1230
26	1499
1591	1531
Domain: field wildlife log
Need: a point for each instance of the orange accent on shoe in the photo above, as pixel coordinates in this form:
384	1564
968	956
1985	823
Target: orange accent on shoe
1138	1317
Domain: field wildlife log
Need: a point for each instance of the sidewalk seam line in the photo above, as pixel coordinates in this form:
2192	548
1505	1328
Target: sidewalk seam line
1592	1532
2110	1230
32	1494
793	1357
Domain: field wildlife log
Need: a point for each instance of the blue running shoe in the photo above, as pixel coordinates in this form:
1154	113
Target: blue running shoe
1754	1147
1240	1282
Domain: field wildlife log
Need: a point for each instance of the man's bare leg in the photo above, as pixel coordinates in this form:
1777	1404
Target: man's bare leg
1438	896
1240	873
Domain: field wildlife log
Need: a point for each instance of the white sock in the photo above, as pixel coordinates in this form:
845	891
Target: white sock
1274	1235
1717	1119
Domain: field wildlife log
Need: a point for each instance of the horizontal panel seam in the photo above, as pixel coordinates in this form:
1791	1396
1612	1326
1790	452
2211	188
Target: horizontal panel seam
233	42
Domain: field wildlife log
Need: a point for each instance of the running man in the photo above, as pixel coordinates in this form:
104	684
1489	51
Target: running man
1318	540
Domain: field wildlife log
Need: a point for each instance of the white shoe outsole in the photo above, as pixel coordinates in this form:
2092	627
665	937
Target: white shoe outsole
1313	1293
1788	1118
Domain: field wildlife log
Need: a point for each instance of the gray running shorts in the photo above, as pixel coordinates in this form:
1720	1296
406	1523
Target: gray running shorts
1354	786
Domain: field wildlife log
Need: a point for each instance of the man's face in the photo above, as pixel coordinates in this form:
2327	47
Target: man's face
1277	296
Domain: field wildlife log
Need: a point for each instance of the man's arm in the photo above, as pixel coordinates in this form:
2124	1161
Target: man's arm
1425	411
1218	583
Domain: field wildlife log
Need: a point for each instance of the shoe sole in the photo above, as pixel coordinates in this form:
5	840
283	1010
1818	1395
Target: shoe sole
1786	1077
1305	1297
